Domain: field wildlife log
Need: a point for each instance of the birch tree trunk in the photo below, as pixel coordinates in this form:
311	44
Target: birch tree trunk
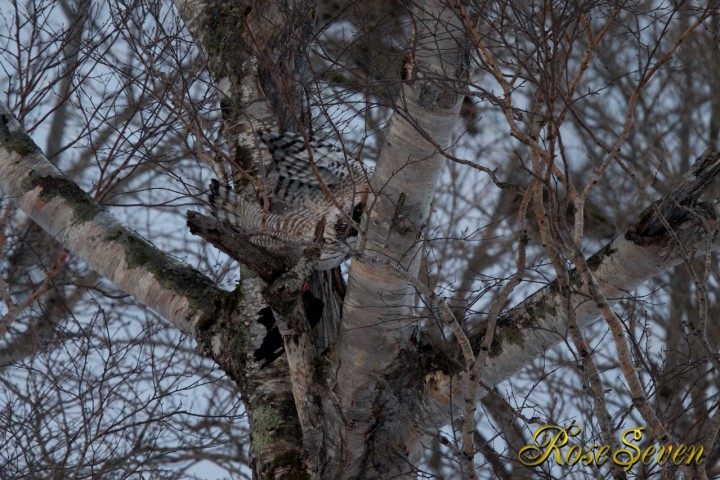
377	325
367	407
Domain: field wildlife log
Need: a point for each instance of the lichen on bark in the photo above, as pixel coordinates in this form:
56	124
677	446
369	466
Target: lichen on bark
82	204
18	141
202	294
264	420
291	463
222	27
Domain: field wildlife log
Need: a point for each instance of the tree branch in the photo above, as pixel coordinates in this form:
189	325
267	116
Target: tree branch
173	289
647	249
376	310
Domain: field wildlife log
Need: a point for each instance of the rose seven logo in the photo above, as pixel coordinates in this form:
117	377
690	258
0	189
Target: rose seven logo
552	441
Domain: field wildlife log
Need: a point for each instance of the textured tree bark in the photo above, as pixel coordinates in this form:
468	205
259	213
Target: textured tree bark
376	325
223	323
523	334
227	32
235	35
171	288
377	393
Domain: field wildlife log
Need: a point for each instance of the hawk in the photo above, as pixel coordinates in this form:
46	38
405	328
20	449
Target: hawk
318	206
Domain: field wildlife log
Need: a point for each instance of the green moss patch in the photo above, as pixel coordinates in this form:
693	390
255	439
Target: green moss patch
19	142
222	25
263	420
75	197
291	463
173	275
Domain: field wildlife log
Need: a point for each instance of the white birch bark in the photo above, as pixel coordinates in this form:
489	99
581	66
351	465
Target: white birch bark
174	290
365	428
644	251
376	324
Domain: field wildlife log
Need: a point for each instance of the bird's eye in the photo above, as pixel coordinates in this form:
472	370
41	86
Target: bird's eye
341	227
